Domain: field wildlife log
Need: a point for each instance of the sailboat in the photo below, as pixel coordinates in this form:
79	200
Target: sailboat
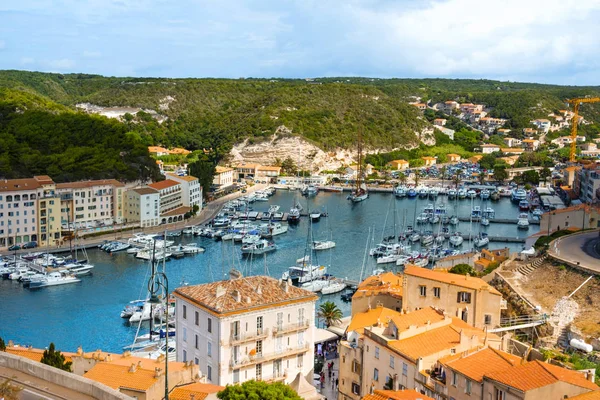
360	192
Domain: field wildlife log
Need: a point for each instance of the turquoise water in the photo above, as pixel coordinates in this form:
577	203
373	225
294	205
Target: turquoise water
87	313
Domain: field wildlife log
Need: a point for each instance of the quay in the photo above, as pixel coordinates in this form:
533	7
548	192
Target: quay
499	220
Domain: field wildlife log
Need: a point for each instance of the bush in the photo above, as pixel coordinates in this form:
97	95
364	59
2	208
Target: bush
463	269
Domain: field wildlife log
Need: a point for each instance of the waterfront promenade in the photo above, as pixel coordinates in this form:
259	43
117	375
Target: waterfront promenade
581	250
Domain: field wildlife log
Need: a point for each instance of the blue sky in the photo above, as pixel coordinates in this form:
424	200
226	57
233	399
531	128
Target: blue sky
525	40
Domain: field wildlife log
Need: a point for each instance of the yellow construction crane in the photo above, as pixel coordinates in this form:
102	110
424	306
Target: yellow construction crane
575	103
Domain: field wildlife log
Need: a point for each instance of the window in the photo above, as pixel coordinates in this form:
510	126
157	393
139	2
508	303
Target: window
454	379
209	349
463	297
375	374
423	290
404	369
436	292
392	362
258	372
376	352
355	367
355	388
196	361
236	376
197	318
184	356
300	361
209	373
184	334
196	341
259	325
488	319
389	381
184	311
259	347
209	326
498	394
467	386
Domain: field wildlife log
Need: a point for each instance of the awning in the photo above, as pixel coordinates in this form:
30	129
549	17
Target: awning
340	329
323	335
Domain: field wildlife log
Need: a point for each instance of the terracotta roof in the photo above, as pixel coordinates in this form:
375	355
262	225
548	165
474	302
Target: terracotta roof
199	390
573	168
179	150
512	150
32	353
157	149
118	376
476	365
398	162
88	184
453	155
530	140
187	178
43	179
220	169
453	279
251	166
268	168
595	395
145	190
163	184
536	374
126	359
418	318
371	317
428	158
406	394
489	145
388	283
255	292
9	185
177	211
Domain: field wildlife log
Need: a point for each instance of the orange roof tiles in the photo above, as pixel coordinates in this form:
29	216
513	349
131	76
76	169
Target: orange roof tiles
119	377
144	190
32	353
126	360
428	158
199	390
453	279
406	394
220	169
88	184
243	294
453	155
8	185
536	374
157	149
268	168
167	183
371	317
187	178
595	395
418	318
476	365
179	150
388	283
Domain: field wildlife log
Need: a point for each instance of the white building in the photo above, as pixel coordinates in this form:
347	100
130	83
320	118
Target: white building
489	148
223	177
142	205
246	328
191	191
542	124
171	201
18	211
88	204
317	180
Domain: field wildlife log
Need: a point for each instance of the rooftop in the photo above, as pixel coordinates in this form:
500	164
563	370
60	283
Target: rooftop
242	294
268	168
475	365
388	282
536	374
119	376
199	390
8	185
157	149
177	211
187	178
406	394
422	317
372	317
145	190
595	395
88	184
32	353
452	279
220	169
167	183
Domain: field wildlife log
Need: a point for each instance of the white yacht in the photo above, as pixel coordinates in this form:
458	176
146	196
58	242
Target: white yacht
333	286
260	247
323	244
273	209
315	286
456	239
53	279
304	273
482	240
523	221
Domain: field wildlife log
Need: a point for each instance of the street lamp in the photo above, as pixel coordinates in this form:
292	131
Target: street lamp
157	281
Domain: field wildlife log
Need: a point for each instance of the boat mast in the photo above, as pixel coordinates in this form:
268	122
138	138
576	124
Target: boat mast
359	170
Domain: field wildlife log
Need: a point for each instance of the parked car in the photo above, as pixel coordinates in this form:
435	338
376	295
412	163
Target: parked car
29	245
14	247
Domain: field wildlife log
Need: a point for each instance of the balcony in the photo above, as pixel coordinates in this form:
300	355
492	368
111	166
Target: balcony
245	337
265	357
280	377
293	327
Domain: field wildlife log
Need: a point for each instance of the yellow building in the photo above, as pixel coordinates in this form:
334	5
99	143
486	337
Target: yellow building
471	299
453	157
429	161
384	289
398	164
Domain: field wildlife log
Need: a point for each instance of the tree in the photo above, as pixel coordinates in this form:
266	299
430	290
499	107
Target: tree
2	345
204	171
487	161
456	177
55	359
8	391
417	178
288	166
463	269
545	174
500	174
195	209
258	391
481	177
402	178
531	176
330	313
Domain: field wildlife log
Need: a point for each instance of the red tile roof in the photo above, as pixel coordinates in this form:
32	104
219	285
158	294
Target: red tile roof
167	183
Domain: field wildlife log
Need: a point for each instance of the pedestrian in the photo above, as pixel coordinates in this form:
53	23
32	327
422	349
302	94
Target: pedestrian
337	382
329	373
332	384
322	381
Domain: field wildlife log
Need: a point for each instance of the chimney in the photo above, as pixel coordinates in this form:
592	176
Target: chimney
220	291
139	364
237	296
248	300
79	351
259	289
285	286
133	368
157	372
234	274
127	354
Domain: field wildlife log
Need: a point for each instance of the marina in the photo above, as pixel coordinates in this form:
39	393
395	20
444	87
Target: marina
88	311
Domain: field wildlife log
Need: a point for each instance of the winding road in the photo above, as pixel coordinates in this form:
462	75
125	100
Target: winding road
581	249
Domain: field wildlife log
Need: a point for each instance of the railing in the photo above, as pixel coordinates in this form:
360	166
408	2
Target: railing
277	377
246	337
292	327
264	357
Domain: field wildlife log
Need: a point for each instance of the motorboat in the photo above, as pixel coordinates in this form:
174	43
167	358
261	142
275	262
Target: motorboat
260	247
399	192
482	240
523	221
159	255
358	196
274	229
456	239
423	218
537	213
518	195
81	270
489	212
131	308
451	193
423	193
311	190
445	220
411	193
293	215
485	221
421	262
462	193
221	222
402	260
427	239
323	245
143	313
333	287
188	230
454	220
415	237
273	209
53	279
251	237
434	219
315	216
471	194
433	193
476	212
315	285
485	194
495	196
303	273
523	205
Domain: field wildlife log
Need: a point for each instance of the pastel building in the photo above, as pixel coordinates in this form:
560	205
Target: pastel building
171	200
223	177
191	191
245	328
142	205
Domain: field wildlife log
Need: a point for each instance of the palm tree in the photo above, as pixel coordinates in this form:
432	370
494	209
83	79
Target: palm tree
417	178
457	177
402	178
9	391
481	177
443	172
330	313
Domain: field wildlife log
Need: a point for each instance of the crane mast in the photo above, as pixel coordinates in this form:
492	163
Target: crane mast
576	103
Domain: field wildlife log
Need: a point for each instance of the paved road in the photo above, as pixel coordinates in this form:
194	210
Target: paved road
583	248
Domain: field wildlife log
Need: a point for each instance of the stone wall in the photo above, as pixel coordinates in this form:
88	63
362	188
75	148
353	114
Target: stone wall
61	378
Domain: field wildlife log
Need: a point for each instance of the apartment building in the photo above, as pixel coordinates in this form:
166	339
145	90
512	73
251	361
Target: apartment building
531	144
223	177
489	148
588	182
383	289
246	328
87	204
49	212
470	299
403	354
582	216
172	208
142	205
191	191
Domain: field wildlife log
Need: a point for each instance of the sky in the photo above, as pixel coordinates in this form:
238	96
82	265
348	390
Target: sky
546	41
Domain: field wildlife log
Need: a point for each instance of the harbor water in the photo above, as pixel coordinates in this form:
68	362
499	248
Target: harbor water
87	313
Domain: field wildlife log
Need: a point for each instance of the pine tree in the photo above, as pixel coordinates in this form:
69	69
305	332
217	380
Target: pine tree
2	345
55	359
